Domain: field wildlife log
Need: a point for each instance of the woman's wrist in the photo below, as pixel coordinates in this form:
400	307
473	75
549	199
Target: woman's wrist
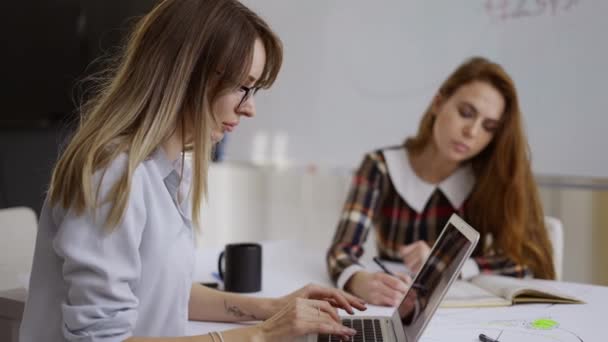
257	334
350	285
253	333
269	307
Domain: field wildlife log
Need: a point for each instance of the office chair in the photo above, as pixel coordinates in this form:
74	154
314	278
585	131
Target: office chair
555	230
18	228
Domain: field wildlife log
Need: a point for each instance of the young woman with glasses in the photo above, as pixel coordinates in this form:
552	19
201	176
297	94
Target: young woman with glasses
116	240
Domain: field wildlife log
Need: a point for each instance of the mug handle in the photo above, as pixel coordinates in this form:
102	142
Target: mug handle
219	265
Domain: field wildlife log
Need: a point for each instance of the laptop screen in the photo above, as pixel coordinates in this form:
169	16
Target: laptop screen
432	281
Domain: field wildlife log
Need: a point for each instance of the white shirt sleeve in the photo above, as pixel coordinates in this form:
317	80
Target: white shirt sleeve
469	269
346	274
101	268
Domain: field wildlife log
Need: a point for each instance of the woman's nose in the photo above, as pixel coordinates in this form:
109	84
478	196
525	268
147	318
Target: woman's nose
472	129
247	108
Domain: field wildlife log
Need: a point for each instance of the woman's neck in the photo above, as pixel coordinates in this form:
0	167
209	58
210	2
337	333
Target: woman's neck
173	147
430	166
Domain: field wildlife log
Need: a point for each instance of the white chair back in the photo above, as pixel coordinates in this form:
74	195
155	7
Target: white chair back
555	230
18	228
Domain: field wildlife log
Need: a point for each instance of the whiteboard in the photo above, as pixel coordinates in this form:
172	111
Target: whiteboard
358	75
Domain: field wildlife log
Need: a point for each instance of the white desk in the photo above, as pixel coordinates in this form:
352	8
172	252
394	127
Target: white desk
287	266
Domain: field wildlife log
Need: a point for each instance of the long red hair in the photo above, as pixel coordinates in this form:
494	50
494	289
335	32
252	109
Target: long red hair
504	205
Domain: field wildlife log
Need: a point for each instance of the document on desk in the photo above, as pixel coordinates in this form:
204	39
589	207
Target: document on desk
495	290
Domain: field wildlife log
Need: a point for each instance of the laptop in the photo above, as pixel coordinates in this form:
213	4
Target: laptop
452	248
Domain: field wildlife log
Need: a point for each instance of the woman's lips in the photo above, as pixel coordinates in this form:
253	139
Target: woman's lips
460	147
229	127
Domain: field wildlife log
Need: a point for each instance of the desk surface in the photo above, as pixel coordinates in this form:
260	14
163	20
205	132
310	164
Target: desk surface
287	266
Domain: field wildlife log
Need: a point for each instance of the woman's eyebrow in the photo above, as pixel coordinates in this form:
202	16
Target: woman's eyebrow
492	121
470	106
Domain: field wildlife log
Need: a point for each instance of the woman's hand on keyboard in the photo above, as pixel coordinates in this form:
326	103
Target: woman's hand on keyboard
337	298
302	317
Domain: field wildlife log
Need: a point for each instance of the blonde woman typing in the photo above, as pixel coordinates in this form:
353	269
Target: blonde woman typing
115	245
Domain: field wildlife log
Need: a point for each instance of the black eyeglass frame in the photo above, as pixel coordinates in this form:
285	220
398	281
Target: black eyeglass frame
248	92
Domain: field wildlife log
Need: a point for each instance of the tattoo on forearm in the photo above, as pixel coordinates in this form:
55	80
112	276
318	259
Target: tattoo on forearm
236	312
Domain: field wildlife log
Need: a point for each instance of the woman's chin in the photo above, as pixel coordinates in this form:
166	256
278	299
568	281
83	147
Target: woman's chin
455	157
216	137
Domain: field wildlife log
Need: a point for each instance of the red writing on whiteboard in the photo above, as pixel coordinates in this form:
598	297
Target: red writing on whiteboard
514	9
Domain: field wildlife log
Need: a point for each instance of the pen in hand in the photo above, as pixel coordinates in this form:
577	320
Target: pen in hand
389	272
386	270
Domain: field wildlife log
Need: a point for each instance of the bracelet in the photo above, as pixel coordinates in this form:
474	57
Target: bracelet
218	335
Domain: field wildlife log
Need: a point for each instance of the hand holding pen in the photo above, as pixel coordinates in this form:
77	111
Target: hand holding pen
378	288
407	277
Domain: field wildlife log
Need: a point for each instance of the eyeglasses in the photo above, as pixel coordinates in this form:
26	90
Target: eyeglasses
247	93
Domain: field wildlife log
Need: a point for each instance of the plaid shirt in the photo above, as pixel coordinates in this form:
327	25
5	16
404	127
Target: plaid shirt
374	202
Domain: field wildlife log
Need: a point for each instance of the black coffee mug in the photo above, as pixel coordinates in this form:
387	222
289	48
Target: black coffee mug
242	271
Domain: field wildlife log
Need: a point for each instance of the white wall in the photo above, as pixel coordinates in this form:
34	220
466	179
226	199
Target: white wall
248	203
358	74
263	203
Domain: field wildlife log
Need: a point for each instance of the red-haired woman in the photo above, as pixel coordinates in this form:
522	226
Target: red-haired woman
470	157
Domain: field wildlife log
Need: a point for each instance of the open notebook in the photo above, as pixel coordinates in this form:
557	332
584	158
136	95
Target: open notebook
495	290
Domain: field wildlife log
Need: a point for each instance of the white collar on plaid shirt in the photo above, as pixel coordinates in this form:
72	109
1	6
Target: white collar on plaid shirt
416	192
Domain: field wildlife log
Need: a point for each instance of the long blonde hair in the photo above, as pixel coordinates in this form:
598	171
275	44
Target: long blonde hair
176	62
504	203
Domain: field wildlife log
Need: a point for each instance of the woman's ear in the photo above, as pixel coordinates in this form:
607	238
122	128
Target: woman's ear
436	104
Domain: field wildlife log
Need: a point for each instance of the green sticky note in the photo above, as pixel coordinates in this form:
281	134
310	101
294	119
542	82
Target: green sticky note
544	324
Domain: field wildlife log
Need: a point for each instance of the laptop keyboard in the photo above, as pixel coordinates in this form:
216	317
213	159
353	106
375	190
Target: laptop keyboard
368	330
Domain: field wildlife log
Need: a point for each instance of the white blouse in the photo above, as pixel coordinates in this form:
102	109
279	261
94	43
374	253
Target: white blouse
90	285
